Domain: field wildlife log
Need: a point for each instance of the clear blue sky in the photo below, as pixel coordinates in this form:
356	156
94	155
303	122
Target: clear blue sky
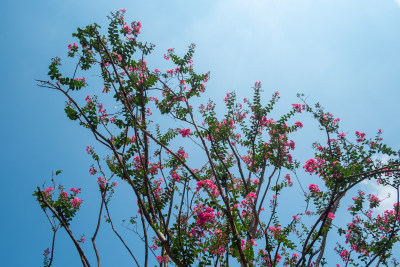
343	54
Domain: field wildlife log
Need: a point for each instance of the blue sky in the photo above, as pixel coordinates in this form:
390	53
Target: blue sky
343	54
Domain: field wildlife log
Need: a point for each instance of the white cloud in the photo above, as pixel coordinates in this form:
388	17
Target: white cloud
398	2
387	194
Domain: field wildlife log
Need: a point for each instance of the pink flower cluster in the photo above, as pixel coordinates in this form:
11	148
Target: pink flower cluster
345	255
331	216
298	107
184	132
75	190
70	46
373	199
48	191
310	166
361	136
137	163
92	171
298	124
266	122
162	259
101	182
154	168
251	196
183	154
204	215
275	231
175	176
76	202
289	179
157	190
314	189
209	184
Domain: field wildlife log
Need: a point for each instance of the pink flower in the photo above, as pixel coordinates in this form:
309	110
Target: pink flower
298	124
76	202
208	184
251	195
183	154
70	46
175	176
331	216
184	132
298	107
48	191
92	171
122	10
75	190
101	182
288	178
204	214
310	166
361	136
344	255
314	189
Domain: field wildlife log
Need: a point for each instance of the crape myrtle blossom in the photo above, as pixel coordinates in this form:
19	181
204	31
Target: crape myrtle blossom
289	179
345	255
361	136
314	189
310	166
298	124
71	46
76	202
208	184
331	216
204	215
92	170
298	107
184	132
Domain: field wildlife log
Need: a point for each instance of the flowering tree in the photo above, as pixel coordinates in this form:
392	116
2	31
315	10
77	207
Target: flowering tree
223	210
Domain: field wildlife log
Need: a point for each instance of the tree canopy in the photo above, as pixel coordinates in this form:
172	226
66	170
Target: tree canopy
222	208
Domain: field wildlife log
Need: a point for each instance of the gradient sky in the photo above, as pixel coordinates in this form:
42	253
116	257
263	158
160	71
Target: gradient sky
343	54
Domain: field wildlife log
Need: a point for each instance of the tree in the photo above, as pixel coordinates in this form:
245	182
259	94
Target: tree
195	214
